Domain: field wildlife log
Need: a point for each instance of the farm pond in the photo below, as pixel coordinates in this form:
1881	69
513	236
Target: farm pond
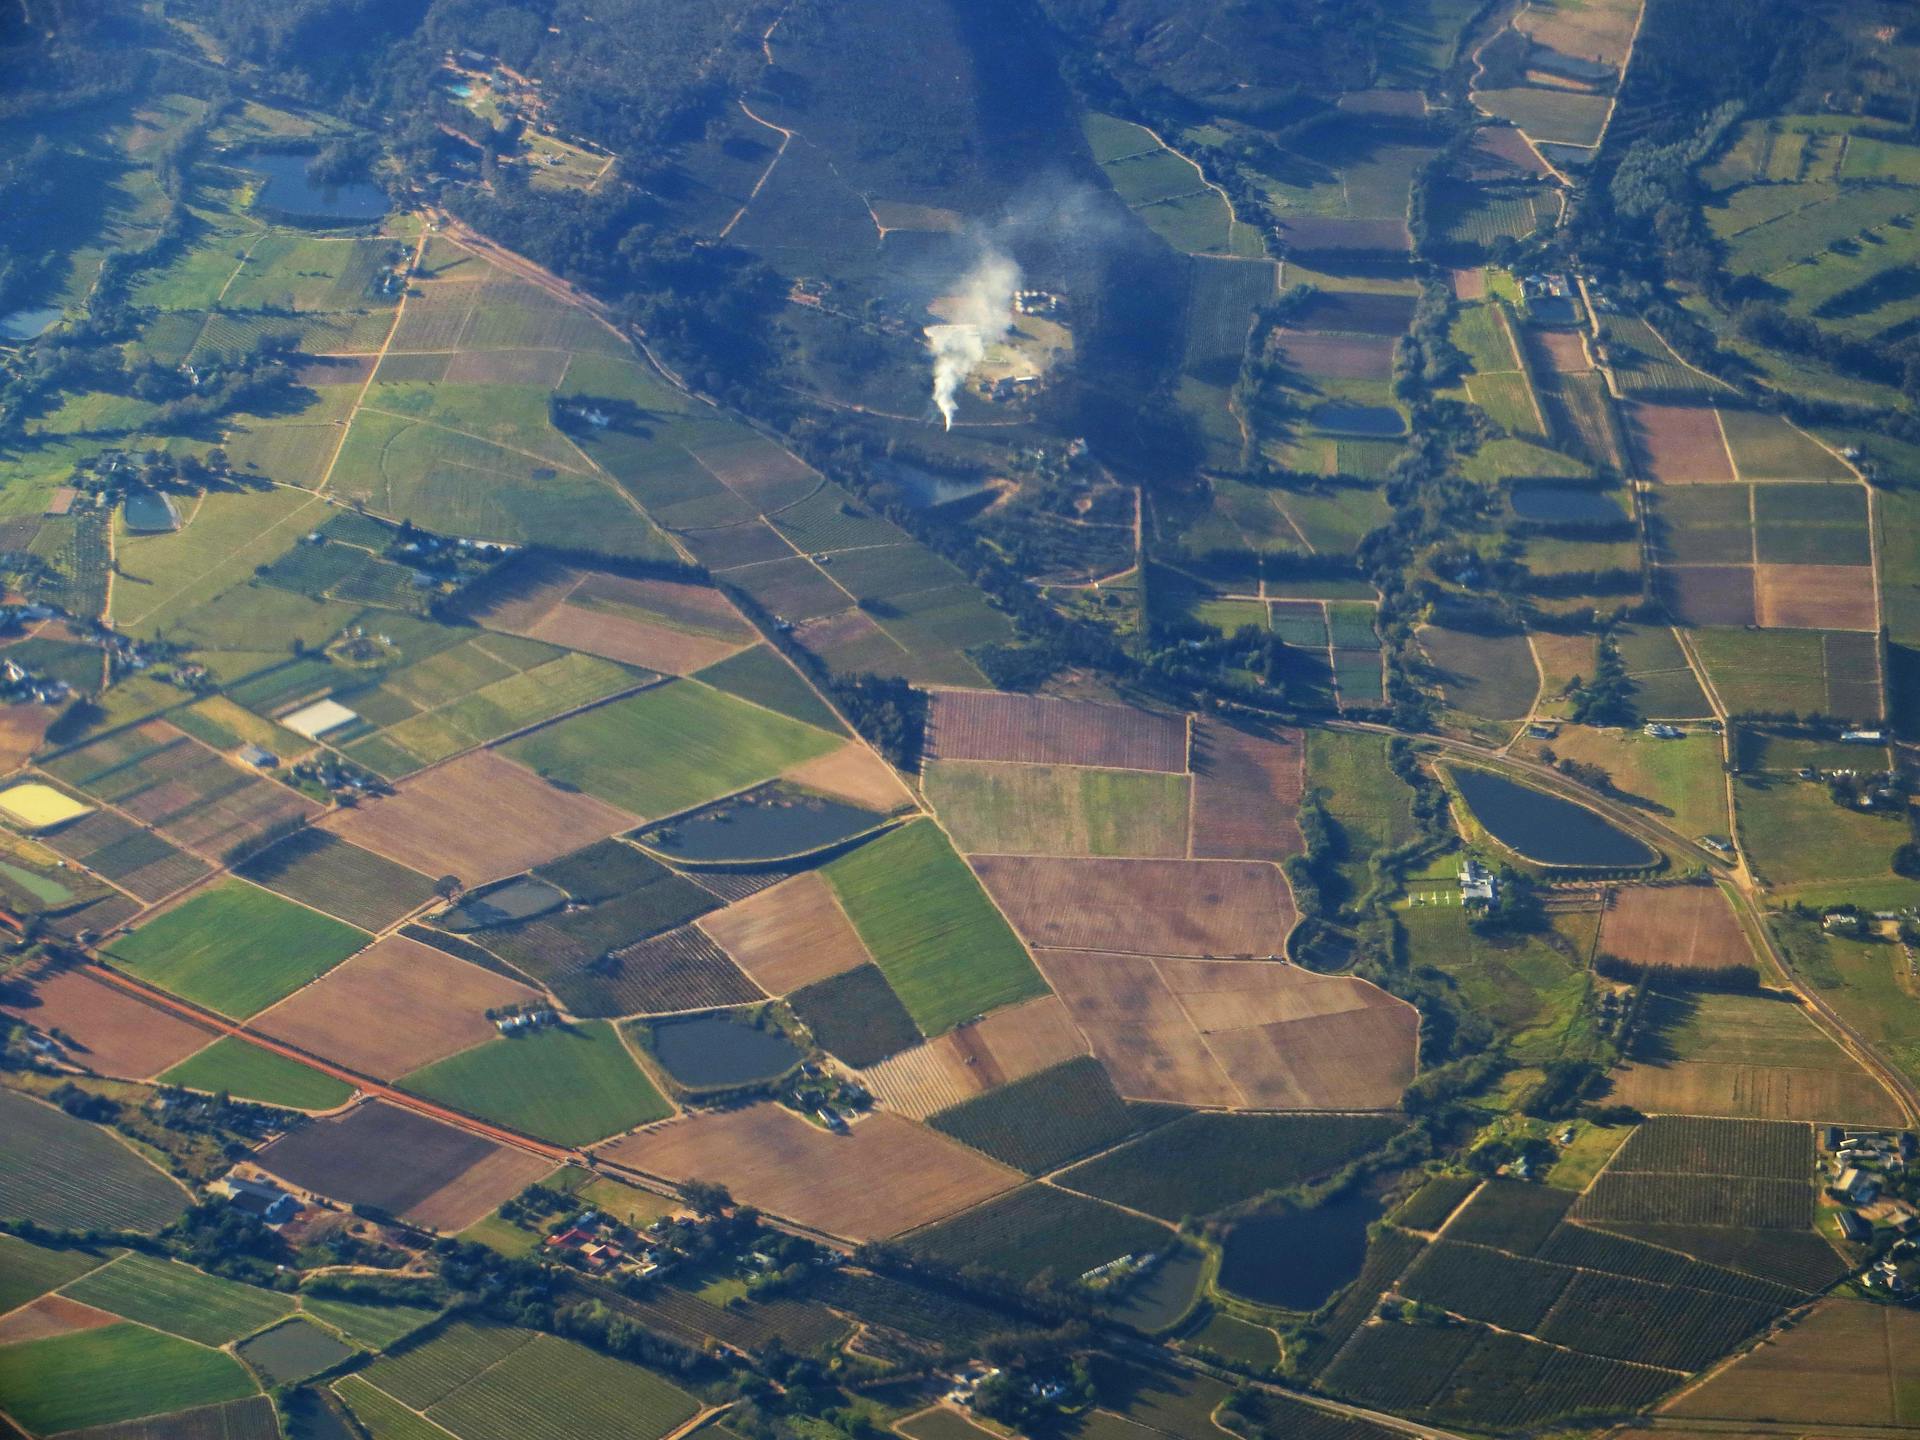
1544	828
710	1050
1567	505
28	324
1296	1259
1343	417
148	512
289	189
770	823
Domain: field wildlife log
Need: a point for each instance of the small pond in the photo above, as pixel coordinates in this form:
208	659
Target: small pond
148	512
1157	1300
770	823
28	324
1545	828
289	191
711	1050
1346	418
520	899
1296	1259
1567	505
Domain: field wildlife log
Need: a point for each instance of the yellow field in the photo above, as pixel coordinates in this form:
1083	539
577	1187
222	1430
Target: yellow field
40	807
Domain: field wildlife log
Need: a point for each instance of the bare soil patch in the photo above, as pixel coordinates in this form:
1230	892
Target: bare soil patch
855	774
1847	1363
789	936
655	624
1344	357
1678	444
1815	597
52	1315
1707	594
1470	284
1246	793
1560	350
480	817
885	1176
449	1178
1690	926
23	729
113	1032
1753	1092
1501	150
988	725
394	1007
1250	1033
1008	1045
332	369
1144	907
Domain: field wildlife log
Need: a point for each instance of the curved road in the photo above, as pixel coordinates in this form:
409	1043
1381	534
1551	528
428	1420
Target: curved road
1638	822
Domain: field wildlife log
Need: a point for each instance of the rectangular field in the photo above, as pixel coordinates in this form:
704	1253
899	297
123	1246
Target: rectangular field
345	881
179	1299
1151	907
789	935
1039	1228
1246	793
106	1029
1013	1042
986	725
1690	926
1002	809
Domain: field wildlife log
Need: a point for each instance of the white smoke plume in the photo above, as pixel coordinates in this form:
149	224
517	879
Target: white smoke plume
982	315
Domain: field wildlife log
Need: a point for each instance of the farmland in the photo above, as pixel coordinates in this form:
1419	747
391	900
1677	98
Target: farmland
67	1174
1039	1228
969	725
236	949
349	883
233	1067
1000	809
113	1032
121	1372
1154	907
180	1300
1008	1045
1687	926
1044	1121
787	936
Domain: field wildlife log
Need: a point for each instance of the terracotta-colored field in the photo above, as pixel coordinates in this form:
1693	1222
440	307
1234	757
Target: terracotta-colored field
403	1162
22	729
1707	594
1848	1362
1678	444
1008	1045
112	1032
480	817
545	368
885	1176
392	1008
987	725
1243	1033
1143	907
1815	597
1560	350
1344	357
788	936
1246	793
52	1315
655	624
1690	926
855	774
1470	284
1753	1092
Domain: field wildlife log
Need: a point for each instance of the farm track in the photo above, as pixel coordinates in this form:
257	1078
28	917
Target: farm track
1857	1046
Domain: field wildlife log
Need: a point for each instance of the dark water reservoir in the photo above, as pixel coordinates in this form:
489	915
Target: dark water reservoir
1296	1259
1567	505
1157	1300
711	1050
1544	827
148	512
520	899
770	823
22	325
1345	418
289	191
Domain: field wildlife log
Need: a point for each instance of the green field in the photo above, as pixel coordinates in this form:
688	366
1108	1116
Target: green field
69	1175
1525	984
995	809
1866	981
759	674
1371	807
247	1072
571	1084
1795	836
376	1326
384	1417
1682	781
1489	676
180	1299
670	748
29	1271
552	1389
942	945
120	1372
236	949
1038	1229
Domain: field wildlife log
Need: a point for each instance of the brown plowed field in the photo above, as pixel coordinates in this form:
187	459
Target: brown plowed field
1470	284
855	774
480	817
1246	793
1691	926
394	1007
52	1315
1357	312
23	728
1499	149
114	1033
1143	907
987	725
1307	234
1560	350
1815	597
1238	1032
545	368
1008	1045
1707	594
1678	444
789	936
402	1162
655	624
885	1176
1847	1363
1344	357
1753	1092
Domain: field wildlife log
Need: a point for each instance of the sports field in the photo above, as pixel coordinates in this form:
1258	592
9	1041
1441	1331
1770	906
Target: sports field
235	948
